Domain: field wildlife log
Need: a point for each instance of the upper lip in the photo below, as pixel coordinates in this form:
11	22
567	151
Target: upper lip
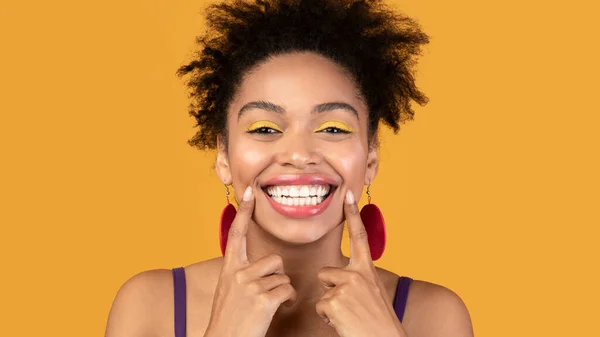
300	179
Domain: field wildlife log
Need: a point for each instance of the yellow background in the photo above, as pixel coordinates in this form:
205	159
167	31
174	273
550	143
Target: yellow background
491	191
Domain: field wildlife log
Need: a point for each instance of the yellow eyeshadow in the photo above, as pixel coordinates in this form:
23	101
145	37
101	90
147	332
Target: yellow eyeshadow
263	124
335	124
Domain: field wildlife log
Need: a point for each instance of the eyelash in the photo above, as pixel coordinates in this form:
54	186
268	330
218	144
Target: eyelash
263	130
267	130
337	130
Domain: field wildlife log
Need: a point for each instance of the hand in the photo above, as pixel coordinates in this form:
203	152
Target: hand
247	294
355	299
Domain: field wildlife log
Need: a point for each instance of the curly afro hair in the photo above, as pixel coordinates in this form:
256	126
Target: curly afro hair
376	46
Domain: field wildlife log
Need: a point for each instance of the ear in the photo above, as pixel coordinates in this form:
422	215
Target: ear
372	165
222	167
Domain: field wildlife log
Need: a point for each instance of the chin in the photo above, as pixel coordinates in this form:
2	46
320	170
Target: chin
297	232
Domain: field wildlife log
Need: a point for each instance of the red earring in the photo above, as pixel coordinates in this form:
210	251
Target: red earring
227	217
375	226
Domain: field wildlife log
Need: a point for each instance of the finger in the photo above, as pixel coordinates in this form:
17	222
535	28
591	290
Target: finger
284	294
325	310
271	282
331	276
235	252
336	277
329	293
359	242
268	265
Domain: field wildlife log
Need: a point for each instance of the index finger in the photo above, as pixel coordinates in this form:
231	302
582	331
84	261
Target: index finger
235	250
359	241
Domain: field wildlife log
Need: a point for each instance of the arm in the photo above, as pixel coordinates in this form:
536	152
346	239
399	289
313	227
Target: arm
134	311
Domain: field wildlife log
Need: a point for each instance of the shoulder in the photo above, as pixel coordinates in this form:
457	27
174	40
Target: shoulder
203	276
139	303
144	305
434	310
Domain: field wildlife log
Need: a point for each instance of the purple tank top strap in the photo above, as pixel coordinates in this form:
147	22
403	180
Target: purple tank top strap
180	301
401	296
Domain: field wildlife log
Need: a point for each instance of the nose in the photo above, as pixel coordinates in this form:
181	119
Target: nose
298	151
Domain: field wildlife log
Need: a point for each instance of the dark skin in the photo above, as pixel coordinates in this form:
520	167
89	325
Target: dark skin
283	276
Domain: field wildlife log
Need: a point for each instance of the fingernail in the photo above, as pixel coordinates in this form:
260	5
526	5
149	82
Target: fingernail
349	197
247	194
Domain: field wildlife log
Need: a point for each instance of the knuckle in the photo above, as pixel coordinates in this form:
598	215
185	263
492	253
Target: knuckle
282	279
254	287
289	288
360	234
342	289
333	303
276	260
324	304
355	278
244	206
321	305
235	231
265	301
239	277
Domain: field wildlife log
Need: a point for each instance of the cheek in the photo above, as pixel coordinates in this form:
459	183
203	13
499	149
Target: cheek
247	161
349	161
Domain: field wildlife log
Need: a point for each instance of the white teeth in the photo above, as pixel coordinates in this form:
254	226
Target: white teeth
294	192
310	201
304	191
298	195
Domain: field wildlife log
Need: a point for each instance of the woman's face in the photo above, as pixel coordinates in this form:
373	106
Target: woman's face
298	136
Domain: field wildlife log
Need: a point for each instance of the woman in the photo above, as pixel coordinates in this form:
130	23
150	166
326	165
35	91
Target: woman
291	93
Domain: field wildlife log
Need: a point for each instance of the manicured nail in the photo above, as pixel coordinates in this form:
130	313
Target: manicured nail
349	197
247	194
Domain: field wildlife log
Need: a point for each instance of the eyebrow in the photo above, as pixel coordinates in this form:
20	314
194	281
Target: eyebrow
324	107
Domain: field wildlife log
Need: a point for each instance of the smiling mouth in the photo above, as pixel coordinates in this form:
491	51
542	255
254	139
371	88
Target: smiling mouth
299	195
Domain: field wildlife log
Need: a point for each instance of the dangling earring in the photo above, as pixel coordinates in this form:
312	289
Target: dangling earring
227	217
375	226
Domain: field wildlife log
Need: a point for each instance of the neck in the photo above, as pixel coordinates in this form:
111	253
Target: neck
301	262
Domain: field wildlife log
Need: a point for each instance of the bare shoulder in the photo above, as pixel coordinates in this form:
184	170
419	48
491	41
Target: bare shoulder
389	280
143	305
140	303
203	276
434	310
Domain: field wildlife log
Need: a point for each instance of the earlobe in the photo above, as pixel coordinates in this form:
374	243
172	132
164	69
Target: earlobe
372	166
222	167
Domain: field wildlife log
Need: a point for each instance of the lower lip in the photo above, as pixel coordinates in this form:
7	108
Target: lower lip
300	211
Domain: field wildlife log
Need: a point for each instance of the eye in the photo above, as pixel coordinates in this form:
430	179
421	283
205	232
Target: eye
333	129
264	130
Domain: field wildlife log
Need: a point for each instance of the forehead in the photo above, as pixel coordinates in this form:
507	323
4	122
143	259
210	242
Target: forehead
299	81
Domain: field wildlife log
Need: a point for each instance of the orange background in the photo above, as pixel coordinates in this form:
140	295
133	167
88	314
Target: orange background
491	191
